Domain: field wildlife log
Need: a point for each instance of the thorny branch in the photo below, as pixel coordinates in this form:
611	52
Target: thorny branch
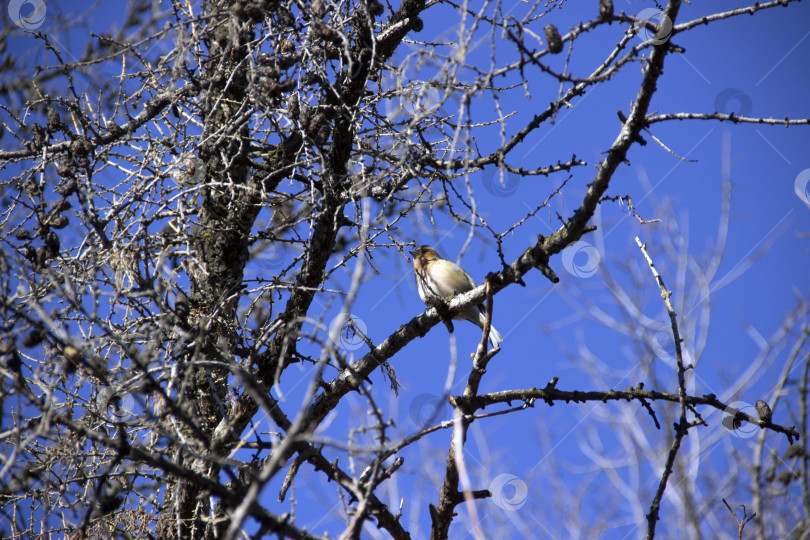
192	208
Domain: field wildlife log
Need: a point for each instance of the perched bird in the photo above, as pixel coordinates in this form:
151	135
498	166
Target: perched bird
437	277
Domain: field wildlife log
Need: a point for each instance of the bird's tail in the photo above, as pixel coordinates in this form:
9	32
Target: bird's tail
495	337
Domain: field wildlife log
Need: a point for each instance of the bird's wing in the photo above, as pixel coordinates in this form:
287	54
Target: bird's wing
453	278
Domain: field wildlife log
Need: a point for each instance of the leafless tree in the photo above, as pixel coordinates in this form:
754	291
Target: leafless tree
193	206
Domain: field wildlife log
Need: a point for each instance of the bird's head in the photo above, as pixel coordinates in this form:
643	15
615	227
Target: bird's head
424	253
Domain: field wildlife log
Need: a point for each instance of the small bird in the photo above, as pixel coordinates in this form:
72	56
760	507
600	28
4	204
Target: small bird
437	277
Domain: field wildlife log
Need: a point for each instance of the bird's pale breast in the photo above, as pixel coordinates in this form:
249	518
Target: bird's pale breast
445	278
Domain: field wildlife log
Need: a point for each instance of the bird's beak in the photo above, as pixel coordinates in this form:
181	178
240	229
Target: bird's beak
413	253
